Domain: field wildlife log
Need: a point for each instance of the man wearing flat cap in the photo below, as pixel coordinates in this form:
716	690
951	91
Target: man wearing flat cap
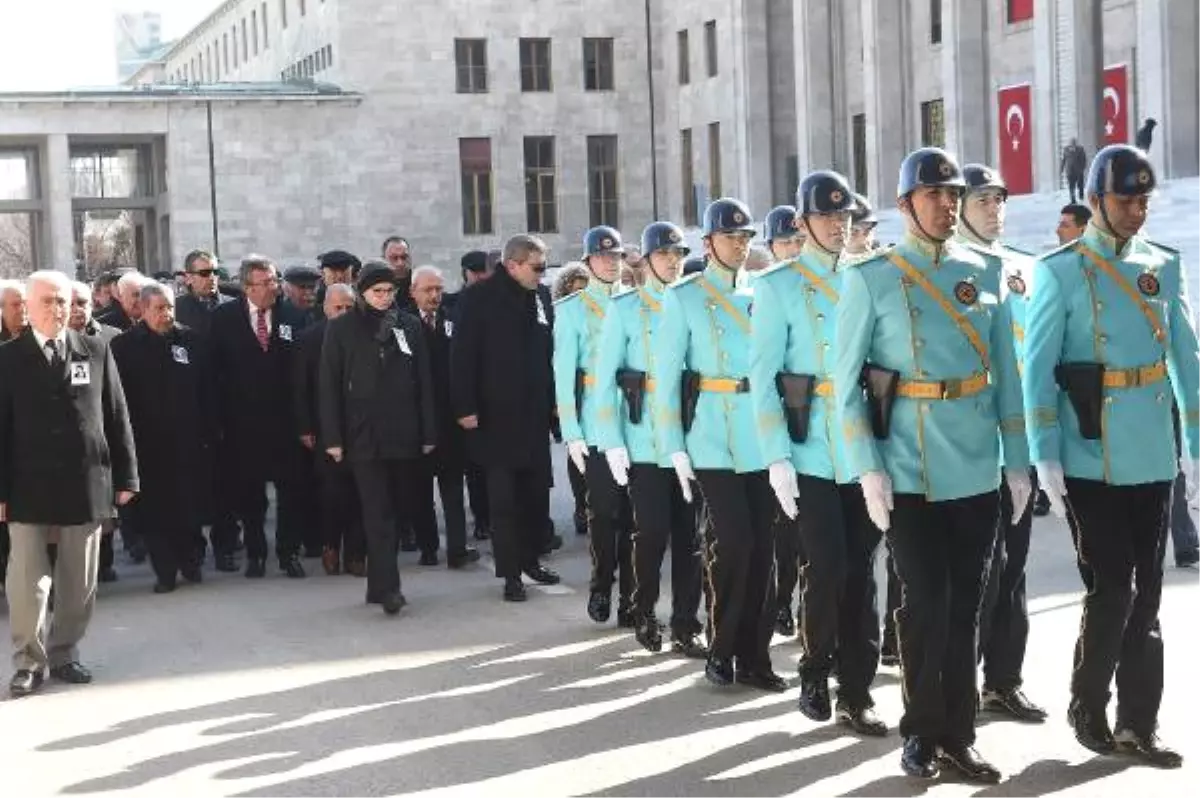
336	266
300	291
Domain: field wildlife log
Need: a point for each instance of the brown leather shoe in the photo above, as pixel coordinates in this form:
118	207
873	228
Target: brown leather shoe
356	568
331	561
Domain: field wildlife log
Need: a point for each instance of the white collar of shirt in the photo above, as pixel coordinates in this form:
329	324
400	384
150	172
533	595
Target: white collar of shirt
61	341
254	316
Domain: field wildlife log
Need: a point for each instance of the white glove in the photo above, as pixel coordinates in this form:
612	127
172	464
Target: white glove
1052	481
578	452
683	470
1191	477
877	491
783	480
618	464
1020	488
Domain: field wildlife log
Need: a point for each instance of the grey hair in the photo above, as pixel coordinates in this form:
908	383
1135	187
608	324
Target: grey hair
154	289
570	273
136	279
431	270
81	288
256	263
521	246
339	288
12	285
50	277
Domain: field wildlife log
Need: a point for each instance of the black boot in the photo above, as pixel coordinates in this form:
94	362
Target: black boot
719	672
918	758
1146	747
599	606
649	634
785	624
814	701
1091	729
967	761
1012	703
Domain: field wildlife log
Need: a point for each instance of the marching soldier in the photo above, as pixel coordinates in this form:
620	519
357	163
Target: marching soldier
710	438
861	243
626	387
1004	620
934	350
784	236
791	363
1108	339
579	318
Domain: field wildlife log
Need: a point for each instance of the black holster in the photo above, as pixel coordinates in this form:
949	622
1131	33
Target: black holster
580	379
797	391
690	397
1084	386
633	386
879	384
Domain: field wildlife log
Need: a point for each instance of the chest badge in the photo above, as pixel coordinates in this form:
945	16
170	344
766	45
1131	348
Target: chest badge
1147	283
966	293
1016	285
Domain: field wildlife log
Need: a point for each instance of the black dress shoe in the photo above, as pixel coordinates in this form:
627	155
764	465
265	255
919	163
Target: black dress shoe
581	525
649	634
785	624
192	574
1091	729
814	701
719	672
967	761
1147	747
25	682
482	532
428	558
625	618
514	589
688	644
917	759
763	679
71	672
225	562
164	587
107	575
461	559
256	568
1013	703
1187	559
1041	504
292	567
599	607
861	721
543	575
394	602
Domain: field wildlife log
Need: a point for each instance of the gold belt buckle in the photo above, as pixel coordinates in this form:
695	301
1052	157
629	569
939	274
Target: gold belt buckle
952	389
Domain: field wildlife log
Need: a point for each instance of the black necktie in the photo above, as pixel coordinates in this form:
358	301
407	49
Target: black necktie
56	360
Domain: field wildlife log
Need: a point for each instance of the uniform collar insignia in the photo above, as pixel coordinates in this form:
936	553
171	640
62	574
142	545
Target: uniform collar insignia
1106	242
721	277
923	246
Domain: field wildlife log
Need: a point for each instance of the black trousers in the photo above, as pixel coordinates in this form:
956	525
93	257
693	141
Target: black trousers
477	495
579	492
341	510
740	564
312	531
385	487
519	502
1075	186
839	611
789	562
610	540
1120	534
941	550
1004	621
661	514
448	472
5	548
889	645
251	510
170	541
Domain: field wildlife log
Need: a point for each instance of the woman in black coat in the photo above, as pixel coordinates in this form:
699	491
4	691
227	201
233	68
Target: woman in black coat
377	414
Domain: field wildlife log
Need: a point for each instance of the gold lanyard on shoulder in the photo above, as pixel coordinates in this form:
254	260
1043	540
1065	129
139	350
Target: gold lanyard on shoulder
961	321
592	304
1103	265
738	317
816	280
649	301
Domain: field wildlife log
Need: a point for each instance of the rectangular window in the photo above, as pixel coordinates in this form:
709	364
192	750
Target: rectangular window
687	177
535	64
254	29
935	21
602	180
233	34
245	42
858	126
1019	10
475	166
714	160
283	13
470	58
309	66
684	58
266	28
225	50
541	205
933	123
329	48
710	46
303	7
598	64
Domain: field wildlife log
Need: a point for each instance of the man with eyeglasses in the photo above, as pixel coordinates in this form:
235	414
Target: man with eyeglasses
502	390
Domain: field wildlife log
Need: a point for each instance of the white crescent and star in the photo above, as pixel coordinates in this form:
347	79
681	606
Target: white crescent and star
1110	93
1015	110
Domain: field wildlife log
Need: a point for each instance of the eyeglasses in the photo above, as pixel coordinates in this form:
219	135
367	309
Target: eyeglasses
272	282
203	272
540	268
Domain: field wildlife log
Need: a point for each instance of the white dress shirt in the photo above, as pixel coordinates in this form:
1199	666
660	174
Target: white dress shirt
254	318
60	343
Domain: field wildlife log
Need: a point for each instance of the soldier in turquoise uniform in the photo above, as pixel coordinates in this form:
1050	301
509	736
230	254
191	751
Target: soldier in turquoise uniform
942	405
784	238
1004	619
1108	339
861	244
578	321
627	389
710	437
791	367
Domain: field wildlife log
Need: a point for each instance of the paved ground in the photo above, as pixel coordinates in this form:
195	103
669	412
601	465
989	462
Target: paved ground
281	688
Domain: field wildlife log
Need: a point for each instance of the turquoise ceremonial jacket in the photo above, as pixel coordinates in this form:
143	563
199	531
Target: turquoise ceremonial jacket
942	449
1079	313
578	320
706	328
1009	274
793	330
626	340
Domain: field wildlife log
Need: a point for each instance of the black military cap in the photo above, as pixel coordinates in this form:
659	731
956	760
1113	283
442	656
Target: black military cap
780	223
693	265
979	176
727	215
339	260
301	275
929	166
864	212
824	191
475	261
1122	170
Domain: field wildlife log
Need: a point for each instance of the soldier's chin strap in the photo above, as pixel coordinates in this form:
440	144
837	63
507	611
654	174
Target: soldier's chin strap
916	219
817	239
721	263
598	277
974	233
1108	228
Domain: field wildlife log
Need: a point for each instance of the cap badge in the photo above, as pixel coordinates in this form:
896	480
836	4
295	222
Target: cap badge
738	218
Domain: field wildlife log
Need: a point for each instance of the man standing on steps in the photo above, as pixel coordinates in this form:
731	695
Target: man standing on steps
1074	166
1004	619
579	318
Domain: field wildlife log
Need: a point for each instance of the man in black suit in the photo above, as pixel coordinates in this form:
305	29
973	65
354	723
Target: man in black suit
164	371
66	454
502	392
445	463
12	324
123	312
341	516
252	340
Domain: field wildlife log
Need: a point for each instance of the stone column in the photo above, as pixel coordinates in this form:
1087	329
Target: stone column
753	104
1088	75
1167	83
1046	96
966	88
814	85
58	218
885	96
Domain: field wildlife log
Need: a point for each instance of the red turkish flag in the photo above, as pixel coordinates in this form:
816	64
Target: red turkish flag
1114	110
1016	137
